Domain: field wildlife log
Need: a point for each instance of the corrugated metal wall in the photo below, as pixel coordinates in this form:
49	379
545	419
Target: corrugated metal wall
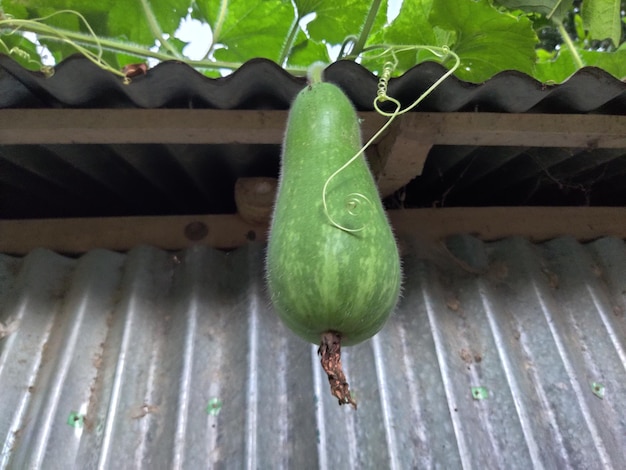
159	360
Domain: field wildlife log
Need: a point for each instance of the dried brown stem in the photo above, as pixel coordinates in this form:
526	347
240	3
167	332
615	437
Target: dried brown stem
330	352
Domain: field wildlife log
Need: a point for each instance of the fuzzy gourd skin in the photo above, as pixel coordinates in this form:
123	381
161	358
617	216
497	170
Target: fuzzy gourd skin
322	278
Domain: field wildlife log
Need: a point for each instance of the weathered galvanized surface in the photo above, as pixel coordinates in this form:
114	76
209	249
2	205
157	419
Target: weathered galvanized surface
158	360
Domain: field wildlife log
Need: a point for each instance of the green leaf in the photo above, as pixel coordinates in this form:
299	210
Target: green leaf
579	27
555	69
66	21
121	19
336	20
120	60
305	7
251	29
306	51
602	19
128	19
556	9
96	13
21	50
487	41
563	66
14	9
410	27
175	43
612	62
211	73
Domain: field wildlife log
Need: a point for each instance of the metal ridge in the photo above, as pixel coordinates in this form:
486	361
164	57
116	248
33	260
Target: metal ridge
262	84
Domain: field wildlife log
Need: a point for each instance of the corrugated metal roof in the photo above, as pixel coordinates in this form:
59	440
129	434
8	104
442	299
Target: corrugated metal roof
479	176
51	180
156	179
261	84
175	360
142	179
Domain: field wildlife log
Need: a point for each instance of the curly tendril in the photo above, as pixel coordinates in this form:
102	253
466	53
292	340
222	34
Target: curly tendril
382	96
355	201
383	81
45	31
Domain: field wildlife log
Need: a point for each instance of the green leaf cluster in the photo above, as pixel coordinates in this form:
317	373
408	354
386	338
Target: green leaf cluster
130	22
489	36
602	19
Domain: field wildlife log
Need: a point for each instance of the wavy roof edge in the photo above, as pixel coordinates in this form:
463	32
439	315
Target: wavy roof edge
262	84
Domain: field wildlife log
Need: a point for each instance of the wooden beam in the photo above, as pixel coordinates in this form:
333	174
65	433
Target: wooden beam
402	156
518	130
230	231
78	235
401	152
142	126
207	126
494	223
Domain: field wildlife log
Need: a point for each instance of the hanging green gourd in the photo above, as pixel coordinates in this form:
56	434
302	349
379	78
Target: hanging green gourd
333	268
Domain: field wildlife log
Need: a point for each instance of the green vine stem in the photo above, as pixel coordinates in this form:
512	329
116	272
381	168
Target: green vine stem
570	44
217	29
155	28
348	44
367	27
77	39
291	37
315	72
